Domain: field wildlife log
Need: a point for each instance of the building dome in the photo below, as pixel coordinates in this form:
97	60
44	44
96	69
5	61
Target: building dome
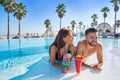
104	29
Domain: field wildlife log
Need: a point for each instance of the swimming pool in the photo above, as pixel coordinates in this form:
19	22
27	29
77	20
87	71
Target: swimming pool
17	56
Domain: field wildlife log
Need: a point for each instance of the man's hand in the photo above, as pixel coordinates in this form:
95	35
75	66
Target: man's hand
96	68
98	65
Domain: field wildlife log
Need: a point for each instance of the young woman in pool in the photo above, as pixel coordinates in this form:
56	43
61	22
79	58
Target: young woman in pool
60	47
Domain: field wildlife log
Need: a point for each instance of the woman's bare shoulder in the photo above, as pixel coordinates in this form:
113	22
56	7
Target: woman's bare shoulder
53	47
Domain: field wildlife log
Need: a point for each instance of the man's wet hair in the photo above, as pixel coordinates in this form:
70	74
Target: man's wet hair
89	30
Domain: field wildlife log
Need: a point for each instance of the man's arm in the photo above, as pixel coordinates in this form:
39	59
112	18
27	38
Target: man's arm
99	56
91	67
79	52
86	65
79	49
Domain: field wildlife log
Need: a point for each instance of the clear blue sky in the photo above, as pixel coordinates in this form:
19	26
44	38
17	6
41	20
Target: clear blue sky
40	10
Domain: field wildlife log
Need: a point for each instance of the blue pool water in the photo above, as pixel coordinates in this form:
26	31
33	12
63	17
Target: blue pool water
18	55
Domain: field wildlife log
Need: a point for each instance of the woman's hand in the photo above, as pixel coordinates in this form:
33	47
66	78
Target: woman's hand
68	69
65	70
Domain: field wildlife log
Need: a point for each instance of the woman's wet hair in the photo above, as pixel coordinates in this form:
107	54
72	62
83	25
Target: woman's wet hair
59	43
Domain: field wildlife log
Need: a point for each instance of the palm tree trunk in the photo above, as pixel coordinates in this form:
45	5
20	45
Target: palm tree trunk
76	29
115	23
19	31
47	31
60	23
8	31
117	30
9	46
20	51
80	29
73	30
104	22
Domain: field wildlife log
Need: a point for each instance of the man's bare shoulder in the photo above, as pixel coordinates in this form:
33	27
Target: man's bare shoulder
82	42
99	45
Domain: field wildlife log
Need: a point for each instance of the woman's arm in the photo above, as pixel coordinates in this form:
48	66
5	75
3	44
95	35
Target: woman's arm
53	53
72	49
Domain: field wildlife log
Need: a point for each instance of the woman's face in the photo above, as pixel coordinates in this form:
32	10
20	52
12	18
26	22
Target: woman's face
69	38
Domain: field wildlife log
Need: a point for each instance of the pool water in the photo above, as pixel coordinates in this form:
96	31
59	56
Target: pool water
17	56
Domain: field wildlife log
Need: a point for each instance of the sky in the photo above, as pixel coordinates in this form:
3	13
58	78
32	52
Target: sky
40	10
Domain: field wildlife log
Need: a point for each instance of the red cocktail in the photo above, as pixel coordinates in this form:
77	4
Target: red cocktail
78	63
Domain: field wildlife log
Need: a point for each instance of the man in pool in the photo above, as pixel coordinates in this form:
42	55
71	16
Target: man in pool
90	46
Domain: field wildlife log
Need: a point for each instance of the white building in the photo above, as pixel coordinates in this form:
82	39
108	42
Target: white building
49	32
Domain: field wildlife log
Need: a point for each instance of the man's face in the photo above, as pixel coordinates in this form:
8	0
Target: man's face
92	38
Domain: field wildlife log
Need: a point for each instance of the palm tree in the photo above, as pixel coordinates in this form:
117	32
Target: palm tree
60	11
9	6
20	12
116	8
92	24
47	23
94	17
68	27
118	24
1	2
80	24
73	24
105	10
